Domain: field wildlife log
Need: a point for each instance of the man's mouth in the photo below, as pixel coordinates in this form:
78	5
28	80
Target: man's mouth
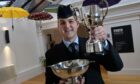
68	31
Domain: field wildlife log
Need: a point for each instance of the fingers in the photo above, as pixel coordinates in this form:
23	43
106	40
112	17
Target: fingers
62	81
80	80
99	33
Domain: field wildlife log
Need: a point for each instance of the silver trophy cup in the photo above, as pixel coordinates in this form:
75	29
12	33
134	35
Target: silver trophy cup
92	16
70	69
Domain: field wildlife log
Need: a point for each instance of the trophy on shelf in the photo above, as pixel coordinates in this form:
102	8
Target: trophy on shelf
91	14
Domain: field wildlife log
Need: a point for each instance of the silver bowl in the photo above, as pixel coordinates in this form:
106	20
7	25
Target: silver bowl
70	68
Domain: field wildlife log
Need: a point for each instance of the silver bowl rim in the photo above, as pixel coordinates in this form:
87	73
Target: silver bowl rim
52	66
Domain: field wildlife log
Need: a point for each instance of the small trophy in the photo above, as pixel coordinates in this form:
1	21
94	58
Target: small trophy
92	16
92	20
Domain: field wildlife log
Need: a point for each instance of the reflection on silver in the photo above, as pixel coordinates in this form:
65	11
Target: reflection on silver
95	46
70	68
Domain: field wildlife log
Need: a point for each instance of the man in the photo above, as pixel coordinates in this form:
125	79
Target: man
68	26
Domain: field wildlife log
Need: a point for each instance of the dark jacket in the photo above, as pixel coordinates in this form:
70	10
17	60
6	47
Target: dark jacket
111	61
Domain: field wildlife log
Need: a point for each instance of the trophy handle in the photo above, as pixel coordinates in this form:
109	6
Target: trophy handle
106	12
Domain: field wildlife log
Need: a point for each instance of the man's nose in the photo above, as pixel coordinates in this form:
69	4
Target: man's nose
67	24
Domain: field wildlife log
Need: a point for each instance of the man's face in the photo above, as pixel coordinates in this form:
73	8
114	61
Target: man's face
68	28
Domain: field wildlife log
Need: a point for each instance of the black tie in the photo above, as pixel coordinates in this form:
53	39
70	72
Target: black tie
72	47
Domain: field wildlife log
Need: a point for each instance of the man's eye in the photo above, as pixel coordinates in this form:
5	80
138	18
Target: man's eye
71	21
62	23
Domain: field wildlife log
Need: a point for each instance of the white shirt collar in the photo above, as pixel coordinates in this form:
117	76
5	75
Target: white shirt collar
67	43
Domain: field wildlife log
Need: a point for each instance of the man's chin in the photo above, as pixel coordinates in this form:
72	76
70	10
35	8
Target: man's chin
71	37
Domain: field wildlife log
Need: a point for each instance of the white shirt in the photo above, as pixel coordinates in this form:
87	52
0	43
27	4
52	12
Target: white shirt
67	43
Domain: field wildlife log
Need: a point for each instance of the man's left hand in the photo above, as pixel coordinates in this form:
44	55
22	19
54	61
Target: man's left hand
99	33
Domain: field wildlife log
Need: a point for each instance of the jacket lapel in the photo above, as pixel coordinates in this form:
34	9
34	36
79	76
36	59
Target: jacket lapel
82	45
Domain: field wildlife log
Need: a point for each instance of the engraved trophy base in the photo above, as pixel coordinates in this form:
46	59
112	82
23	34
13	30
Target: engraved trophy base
94	47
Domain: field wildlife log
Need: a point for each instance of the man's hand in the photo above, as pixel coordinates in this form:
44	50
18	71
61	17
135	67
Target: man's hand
80	80
98	33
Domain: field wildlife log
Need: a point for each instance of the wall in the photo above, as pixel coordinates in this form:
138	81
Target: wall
24	49
127	15
131	60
